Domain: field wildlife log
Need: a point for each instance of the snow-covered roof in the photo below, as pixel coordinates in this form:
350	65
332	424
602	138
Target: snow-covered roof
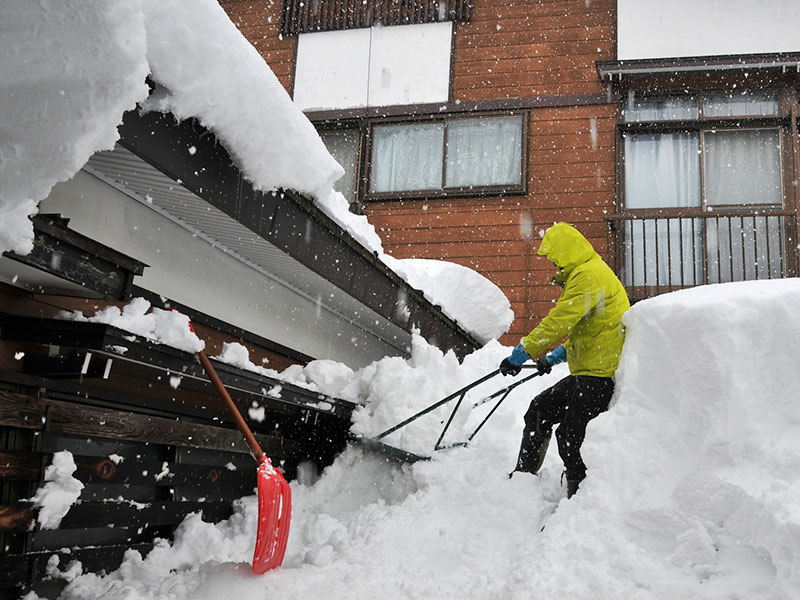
70	71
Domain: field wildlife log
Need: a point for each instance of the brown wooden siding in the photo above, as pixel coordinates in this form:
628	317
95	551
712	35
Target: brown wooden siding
529	48
260	22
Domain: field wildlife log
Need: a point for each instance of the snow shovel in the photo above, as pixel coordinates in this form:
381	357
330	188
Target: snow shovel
274	494
460	394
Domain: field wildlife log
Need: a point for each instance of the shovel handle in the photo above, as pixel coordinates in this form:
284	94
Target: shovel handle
237	416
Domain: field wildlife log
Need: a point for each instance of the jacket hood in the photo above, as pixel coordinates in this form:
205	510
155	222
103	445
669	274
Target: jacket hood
566	247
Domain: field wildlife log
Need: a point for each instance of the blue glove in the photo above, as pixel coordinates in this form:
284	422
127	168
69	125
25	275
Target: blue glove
513	364
557	356
545	363
518	356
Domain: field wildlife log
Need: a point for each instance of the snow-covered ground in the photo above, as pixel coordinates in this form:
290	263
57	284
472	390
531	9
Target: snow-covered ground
693	488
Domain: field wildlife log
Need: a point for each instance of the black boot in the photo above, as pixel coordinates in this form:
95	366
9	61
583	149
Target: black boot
531	453
572	484
572	487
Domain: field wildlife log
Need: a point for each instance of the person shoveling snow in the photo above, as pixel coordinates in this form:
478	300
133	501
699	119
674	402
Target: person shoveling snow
589	312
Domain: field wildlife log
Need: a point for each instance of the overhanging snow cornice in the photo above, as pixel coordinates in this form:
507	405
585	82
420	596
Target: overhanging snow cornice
775	63
289	221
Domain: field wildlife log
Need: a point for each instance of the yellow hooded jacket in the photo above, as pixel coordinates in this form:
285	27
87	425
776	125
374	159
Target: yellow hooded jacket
589	310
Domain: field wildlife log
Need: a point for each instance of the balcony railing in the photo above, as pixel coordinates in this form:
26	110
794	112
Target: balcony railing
305	16
662	251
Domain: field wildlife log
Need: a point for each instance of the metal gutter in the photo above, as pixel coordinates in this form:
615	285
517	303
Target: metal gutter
611	70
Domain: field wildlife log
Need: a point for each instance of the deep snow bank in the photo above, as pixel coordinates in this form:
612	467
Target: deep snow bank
708	426
692	489
695	471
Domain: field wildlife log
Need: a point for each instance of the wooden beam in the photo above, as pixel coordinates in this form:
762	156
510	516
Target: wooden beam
27	412
86	515
19	465
67	254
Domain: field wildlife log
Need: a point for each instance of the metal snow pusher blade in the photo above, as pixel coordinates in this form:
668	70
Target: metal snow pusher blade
404	456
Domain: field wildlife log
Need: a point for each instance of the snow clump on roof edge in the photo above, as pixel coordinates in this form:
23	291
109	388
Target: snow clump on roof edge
68	74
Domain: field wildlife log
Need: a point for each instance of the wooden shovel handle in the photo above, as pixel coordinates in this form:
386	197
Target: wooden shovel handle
237	416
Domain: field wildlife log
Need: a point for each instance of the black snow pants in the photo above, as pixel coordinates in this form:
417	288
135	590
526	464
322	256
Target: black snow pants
572	402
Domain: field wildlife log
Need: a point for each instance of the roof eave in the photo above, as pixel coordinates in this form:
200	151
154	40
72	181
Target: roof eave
291	222
780	62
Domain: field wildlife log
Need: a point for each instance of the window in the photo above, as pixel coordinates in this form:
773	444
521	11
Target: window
458	155
701	176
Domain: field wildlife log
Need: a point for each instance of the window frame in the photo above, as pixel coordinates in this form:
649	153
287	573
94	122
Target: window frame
786	121
781	122
357	129
520	189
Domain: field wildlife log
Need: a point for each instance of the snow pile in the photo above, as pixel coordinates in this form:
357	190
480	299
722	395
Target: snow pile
393	389
60	491
237	355
464	295
161	326
692	492
69	71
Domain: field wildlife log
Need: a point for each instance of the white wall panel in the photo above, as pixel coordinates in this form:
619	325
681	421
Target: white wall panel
681	28
332	69
381	66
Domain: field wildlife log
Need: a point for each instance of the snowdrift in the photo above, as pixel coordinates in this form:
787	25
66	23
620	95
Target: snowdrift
692	491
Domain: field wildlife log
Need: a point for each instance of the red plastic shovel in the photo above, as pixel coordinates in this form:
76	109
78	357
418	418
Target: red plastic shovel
274	494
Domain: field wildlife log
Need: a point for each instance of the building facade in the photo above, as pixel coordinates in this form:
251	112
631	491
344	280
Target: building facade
468	127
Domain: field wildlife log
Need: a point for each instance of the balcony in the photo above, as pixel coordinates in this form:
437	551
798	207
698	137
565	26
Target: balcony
659	251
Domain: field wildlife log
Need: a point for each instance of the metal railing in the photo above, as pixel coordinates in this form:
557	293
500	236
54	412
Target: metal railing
671	250
305	16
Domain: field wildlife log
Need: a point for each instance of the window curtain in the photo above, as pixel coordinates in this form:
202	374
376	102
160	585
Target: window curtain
663	171
407	157
484	152
740	106
669	109
742	167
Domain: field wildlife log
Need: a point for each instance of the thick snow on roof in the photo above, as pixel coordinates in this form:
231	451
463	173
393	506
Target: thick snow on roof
68	72
693	486
71	69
